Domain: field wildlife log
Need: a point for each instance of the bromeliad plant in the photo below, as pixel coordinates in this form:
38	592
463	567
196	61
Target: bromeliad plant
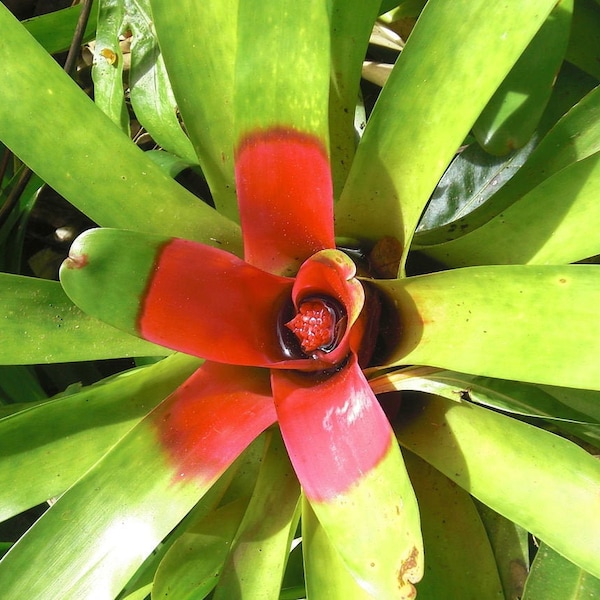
198	473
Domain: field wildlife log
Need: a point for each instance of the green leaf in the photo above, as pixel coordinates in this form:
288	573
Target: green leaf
555	223
198	43
470	180
151	95
459	562
45	448
514	111
258	555
553	483
190	559
584	43
351	26
526	323
41	325
90	162
191	568
552	577
327	577
408	144
294	90
127	503
575	137
510	544
510	396
54	30
19	384
108	64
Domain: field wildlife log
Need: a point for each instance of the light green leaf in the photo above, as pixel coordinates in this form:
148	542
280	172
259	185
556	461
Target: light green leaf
584	43
553	577
514	111
192	567
93	164
511	396
327	577
293	91
527	323
351	26
408	143
41	325
459	563
54	30
258	555
108	64
555	223
127	503
45	448
553	483
575	137
185	563
198	43
150	90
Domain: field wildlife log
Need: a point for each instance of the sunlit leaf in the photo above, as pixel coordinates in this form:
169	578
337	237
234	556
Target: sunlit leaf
407	144
41	325
459	560
258	555
96	167
46	448
553	482
527	323
511	116
327	577
198	43
140	490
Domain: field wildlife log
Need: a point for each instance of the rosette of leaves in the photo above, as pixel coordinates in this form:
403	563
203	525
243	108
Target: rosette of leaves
469	205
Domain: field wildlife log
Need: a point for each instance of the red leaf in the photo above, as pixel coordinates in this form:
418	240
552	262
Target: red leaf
333	427
285	197
209	420
209	303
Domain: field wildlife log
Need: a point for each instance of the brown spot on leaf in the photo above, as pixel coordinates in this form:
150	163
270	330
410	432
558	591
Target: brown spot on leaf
408	574
76	261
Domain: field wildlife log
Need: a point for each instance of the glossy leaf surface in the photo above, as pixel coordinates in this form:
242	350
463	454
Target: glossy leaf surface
406	148
185	444
553	577
94	167
554	490
347	463
41	325
459	562
195	298
526	323
573	138
562	232
513	113
201	71
45	461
